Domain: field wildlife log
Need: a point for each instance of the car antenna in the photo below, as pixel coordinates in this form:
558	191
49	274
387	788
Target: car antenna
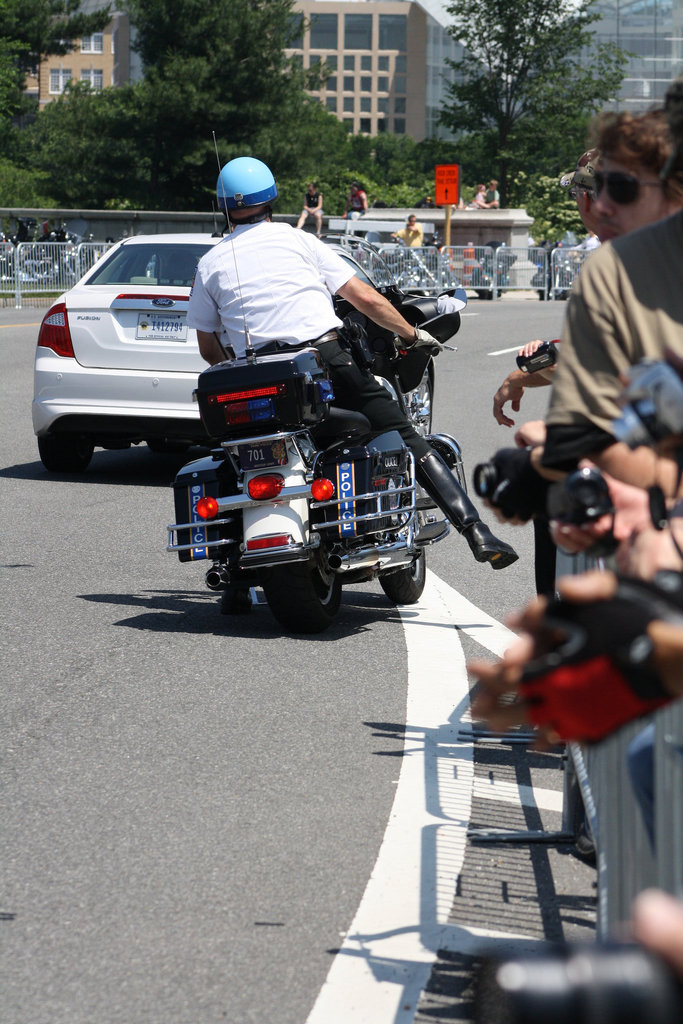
249	349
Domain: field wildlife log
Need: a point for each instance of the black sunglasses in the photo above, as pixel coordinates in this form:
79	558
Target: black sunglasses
621	188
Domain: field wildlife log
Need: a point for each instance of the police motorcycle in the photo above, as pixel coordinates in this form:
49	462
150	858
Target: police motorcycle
300	497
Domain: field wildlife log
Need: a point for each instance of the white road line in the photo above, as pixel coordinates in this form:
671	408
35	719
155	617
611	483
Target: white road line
402	921
505	351
487	631
388	953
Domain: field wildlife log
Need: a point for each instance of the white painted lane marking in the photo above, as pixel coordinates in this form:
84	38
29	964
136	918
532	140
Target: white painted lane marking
487	631
388	953
505	351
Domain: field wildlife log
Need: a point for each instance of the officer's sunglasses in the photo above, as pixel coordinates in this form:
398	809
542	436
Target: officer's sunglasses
621	188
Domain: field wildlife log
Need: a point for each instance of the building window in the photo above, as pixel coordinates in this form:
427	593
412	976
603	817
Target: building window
400	83
366	63
348	105
348	121
331	61
400	65
383	83
400	105
349	83
94	77
349	63
366	125
383	105
366	104
358	32
366	83
324	31
59	77
382	63
381	125
392	32
93	43
331	103
296	32
399	125
331	83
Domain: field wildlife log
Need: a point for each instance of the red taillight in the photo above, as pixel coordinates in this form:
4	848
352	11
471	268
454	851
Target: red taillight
54	332
265	487
275	540
243	396
322	489
207	507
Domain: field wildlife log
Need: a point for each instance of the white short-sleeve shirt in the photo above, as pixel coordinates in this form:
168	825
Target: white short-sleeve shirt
277	280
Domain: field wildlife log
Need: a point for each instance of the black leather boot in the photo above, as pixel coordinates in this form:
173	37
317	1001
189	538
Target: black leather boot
436	478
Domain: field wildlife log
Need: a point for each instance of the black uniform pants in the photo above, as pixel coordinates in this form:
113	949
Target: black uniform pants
357	389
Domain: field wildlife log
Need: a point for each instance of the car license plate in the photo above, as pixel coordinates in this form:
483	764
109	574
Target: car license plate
161	327
264	455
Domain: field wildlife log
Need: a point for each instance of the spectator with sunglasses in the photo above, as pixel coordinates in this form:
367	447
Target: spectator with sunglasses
627	303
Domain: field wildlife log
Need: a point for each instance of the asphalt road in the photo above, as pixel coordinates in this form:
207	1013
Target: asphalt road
193	804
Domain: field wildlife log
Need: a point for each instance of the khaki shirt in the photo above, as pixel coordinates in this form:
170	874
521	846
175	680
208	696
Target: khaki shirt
627	304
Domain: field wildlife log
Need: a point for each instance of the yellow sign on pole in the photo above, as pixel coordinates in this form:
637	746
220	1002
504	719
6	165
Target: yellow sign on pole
446	184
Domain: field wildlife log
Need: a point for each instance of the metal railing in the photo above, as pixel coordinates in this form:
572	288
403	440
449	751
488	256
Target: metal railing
422	268
45	268
490	271
565	265
626	861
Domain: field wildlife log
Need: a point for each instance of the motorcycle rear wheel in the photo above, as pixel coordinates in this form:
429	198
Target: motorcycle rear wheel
302	596
405	586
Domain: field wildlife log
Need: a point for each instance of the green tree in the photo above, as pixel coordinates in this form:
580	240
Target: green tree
31	30
524	91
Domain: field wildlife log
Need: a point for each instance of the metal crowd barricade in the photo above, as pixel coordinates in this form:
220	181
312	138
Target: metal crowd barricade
625	860
419	268
565	265
45	268
472	266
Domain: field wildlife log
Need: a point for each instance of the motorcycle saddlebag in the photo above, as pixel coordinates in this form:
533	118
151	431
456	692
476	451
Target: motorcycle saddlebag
376	468
281	390
194	481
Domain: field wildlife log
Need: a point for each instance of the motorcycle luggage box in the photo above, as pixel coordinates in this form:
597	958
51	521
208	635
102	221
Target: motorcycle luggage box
281	390
377	467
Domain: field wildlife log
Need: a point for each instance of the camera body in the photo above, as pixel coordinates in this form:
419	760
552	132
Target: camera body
609	983
652	405
544	356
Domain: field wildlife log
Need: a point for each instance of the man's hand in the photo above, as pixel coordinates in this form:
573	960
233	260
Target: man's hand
423	339
511	390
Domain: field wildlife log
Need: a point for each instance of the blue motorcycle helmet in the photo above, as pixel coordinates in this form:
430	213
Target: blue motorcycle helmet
244	182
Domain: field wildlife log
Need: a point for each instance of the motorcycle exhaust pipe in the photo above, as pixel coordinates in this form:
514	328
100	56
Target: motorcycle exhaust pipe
217	577
381	556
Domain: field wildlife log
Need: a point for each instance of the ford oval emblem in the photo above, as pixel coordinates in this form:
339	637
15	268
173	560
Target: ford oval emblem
163	301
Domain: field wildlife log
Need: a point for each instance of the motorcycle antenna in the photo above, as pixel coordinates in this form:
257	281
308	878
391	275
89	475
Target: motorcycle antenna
249	349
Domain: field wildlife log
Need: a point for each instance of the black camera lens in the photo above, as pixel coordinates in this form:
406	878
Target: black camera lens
485	479
603	984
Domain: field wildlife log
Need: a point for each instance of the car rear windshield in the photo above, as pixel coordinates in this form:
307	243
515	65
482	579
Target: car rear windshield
151	264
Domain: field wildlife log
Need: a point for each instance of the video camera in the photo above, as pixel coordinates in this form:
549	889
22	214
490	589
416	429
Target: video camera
652	405
544	356
609	983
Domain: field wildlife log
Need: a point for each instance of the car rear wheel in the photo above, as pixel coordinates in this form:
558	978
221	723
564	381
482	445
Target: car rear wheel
163	446
65	453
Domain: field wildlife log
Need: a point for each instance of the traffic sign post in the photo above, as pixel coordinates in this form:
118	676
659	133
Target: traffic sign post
447	193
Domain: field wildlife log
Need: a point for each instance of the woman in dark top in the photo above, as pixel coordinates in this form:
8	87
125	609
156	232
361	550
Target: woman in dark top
313	203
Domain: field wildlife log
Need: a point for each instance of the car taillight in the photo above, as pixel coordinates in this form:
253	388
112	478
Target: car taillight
54	332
